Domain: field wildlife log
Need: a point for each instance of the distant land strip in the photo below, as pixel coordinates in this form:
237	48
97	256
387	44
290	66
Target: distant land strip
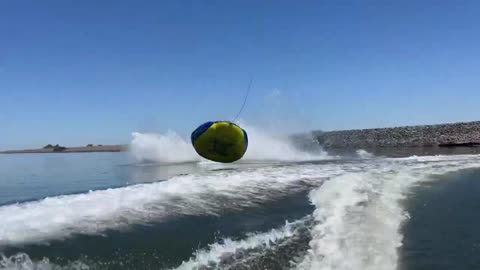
442	135
84	149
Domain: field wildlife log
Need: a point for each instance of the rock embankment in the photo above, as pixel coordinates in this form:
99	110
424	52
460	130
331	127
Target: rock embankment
457	134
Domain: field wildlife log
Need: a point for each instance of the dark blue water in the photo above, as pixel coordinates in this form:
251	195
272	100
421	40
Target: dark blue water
443	232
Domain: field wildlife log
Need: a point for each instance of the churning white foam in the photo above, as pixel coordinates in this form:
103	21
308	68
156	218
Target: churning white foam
358	215
204	194
21	261
215	253
211	257
262	146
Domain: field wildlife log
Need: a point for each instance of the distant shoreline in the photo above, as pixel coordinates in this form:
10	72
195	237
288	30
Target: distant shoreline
82	149
462	134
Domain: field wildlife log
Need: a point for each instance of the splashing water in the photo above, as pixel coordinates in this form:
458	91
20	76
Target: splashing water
355	225
93	213
164	148
263	146
364	154
21	261
218	253
358	215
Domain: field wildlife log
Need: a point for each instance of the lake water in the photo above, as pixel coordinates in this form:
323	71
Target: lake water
314	211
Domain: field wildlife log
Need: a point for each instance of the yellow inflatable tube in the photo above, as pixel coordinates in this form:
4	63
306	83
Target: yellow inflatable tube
220	141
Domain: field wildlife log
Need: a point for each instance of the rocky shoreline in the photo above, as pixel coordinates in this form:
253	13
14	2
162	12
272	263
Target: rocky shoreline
443	135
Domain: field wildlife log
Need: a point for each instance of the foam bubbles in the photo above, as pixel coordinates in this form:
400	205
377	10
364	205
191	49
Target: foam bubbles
21	261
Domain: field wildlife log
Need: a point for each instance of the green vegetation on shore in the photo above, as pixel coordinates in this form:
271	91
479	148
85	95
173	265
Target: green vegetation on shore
55	148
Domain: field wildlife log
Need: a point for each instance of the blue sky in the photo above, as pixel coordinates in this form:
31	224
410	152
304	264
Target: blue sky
78	72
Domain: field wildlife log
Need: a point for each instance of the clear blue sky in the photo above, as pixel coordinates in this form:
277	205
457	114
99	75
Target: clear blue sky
78	72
